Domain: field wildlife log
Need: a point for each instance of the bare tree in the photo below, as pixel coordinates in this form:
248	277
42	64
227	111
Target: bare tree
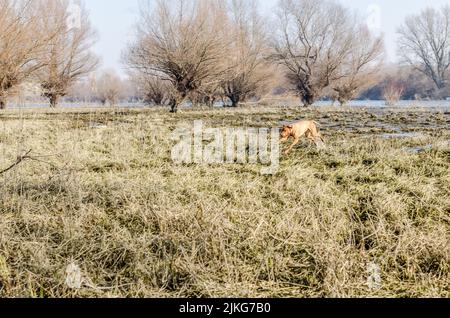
151	89
248	72
109	88
85	89
68	57
425	43
312	39
393	92
360	68
181	42
208	94
22	43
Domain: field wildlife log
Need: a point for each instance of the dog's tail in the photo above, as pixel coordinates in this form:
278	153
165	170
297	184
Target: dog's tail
318	131
321	138
318	126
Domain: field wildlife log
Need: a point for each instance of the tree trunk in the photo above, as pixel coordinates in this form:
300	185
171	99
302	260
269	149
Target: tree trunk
440	83
54	101
308	99
210	101
438	79
174	106
158	99
3	102
342	101
333	100
177	101
234	100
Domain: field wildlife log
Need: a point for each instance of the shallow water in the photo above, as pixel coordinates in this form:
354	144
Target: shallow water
402	135
94	125
443	104
382	104
419	149
428	147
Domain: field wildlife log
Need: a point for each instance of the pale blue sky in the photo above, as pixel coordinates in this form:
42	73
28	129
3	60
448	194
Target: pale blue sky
114	20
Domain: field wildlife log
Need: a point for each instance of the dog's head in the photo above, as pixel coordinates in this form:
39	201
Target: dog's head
286	131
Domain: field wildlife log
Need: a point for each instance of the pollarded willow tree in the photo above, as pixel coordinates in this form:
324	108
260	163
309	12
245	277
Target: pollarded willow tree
22	43
182	42
425	44
360	68
151	89
312	40
109	88
248	71
68	56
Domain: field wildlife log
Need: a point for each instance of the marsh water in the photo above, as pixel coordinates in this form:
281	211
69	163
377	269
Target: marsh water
442	104
408	120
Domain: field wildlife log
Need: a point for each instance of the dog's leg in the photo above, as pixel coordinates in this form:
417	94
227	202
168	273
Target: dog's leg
296	141
315	133
310	136
312	140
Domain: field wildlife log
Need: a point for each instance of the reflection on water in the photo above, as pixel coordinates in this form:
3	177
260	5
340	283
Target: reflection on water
402	135
69	105
371	104
428	147
419	149
382	104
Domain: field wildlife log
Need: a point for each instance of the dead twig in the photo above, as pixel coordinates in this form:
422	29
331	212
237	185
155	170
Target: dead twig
19	160
26	156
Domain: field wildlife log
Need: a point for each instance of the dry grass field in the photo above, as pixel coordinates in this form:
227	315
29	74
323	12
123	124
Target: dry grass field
99	190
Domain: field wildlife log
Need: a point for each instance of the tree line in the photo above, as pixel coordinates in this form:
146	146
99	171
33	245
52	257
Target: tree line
314	49
39	42
209	50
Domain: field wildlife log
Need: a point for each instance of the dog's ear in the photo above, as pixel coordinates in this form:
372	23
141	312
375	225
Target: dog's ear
290	126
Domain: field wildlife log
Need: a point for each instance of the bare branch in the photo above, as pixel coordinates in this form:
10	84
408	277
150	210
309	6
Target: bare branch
425	44
181	42
68	57
19	160
313	40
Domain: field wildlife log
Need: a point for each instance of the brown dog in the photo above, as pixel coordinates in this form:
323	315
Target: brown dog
303	128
